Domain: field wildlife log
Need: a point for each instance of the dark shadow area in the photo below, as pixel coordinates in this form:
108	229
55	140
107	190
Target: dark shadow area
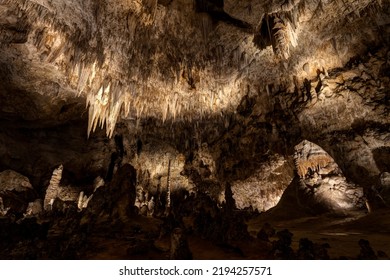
215	9
382	158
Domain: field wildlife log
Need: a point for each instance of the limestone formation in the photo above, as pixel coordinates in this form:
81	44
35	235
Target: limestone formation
310	158
15	191
123	192
115	87
82	201
3	210
34	208
151	206
97	183
53	189
214	117
264	188
322	180
13	181
114	202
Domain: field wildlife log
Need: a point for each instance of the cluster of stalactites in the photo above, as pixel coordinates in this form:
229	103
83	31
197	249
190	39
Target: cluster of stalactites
95	71
283	31
285	36
313	163
281	27
105	107
109	100
309	157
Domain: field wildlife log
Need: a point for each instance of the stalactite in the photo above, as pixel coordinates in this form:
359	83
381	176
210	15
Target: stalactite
309	156
284	36
319	10
108	102
165	110
84	73
80	200
56	52
288	5
206	24
314	163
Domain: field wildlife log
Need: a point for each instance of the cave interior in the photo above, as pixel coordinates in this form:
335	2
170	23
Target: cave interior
194	129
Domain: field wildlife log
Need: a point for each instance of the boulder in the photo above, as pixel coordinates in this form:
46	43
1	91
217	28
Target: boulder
16	191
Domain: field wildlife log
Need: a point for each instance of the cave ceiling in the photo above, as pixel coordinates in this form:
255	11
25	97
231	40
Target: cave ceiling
177	61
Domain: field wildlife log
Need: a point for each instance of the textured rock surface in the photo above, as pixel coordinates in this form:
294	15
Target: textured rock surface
265	187
176	50
53	189
115	202
13	181
201	96
15	192
323	184
218	77
34	208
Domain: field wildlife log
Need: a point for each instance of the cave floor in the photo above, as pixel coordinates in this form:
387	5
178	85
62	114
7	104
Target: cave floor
126	244
342	233
142	238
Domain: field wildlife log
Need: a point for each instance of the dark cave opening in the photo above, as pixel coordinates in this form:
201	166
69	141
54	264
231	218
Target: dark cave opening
265	36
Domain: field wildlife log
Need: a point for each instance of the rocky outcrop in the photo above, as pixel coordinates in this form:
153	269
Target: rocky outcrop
13	181
323	185
265	187
350	121
15	192
34	208
115	202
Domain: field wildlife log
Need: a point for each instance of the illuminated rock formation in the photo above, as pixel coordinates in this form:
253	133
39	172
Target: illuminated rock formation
34	208
184	105
322	181
131	59
11	180
53	189
15	192
311	158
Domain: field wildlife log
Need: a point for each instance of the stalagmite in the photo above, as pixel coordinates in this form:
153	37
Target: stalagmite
83	201
168	203
34	208
151	206
3	210
80	201
53	188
